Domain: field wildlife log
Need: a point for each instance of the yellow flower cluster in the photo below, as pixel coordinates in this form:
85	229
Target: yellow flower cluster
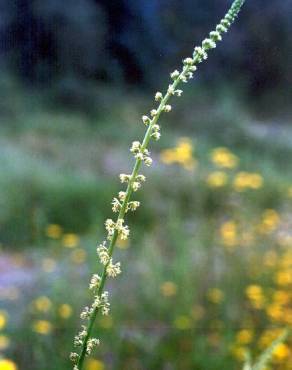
247	180
223	157
6	364
228	234
43	305
217	179
182	154
270	221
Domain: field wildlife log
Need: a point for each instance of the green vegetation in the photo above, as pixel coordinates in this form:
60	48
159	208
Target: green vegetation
59	169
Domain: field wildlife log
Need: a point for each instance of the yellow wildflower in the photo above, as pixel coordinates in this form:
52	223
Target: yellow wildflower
42	304
270	220
288	316
246	180
106	322
92	364
181	154
255	295
222	157
217	179
3	319
268	336
270	258
4	342
228	233
43	327
289	192
168	289
238	352
78	256
281	297
70	240
6	364
65	311
275	311
284	278
54	231
281	352
123	243
215	295
244	336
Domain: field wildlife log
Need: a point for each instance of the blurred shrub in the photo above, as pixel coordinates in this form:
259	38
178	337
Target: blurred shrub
71	42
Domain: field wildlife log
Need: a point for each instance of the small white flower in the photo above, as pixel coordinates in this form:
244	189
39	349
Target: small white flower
113	269
91	343
102	253
170	90
139	156
136	185
208	44
109	226
146	120
74	356
178	92
148	161
124	233
225	23
193	68
174	74
229	17
215	36
78	339
158	96
94	282
155	127
116	205
190	75
124	177
200	54
132	206
183	78
122	195
167	108
153	112
156	135
135	148
141	178
86	313
188	61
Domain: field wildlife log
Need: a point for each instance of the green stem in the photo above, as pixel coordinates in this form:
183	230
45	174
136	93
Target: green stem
122	212
233	11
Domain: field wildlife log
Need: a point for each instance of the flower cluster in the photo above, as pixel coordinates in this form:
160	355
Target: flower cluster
79	338
102	303
141	153
94	282
91	344
122	230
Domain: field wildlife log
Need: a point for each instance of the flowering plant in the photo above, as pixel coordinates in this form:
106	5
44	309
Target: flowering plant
123	203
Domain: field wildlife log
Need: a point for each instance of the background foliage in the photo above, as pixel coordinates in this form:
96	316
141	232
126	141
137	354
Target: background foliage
207	273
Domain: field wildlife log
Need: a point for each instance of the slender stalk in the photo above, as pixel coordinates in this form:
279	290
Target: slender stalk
122	212
142	155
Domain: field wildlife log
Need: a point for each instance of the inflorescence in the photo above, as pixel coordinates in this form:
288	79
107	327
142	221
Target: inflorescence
122	204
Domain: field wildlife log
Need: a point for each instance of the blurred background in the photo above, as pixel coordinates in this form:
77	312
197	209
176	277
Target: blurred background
207	272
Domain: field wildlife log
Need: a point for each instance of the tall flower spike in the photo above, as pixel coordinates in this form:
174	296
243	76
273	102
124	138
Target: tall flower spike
117	228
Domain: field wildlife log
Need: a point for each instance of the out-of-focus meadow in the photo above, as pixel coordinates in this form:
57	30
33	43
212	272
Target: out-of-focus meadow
207	272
